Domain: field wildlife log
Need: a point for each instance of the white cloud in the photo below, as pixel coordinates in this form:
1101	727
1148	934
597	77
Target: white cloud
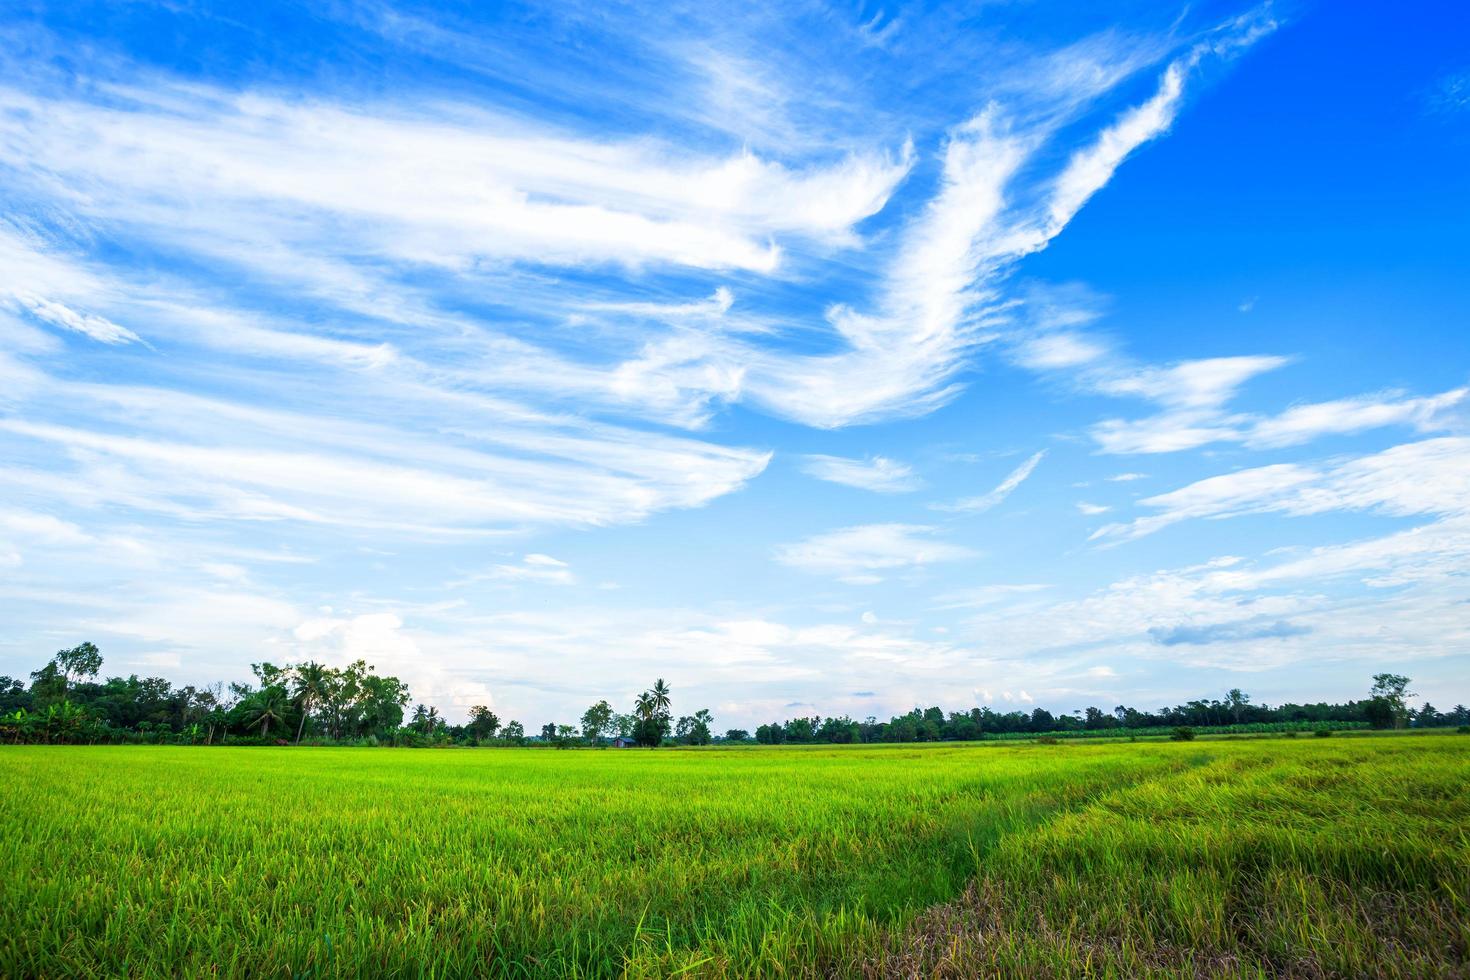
876	473
98	328
1055	351
941	291
1429	477
442	185
533	568
857	555
1302	423
1092	509
1090	169
1194	393
985	501
276	465
1201	384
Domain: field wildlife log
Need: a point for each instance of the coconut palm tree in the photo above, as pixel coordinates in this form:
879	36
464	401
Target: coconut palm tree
645	706
660	694
311	683
266	708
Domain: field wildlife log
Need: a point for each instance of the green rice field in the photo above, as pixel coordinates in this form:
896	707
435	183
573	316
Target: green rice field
1307	857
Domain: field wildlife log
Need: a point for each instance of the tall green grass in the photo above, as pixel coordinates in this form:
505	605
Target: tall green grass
849	861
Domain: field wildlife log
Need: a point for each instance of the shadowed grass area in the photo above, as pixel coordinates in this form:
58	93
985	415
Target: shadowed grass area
1240	858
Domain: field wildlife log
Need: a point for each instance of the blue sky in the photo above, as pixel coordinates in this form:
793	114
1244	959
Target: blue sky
817	357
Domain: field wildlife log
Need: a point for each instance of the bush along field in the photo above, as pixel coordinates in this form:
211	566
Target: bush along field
1342	857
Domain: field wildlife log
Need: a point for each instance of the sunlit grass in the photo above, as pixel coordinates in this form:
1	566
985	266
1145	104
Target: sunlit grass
1241	856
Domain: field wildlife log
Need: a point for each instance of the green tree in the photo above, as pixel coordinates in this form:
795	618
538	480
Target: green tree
483	722
699	731
514	732
266	708
660	693
1238	700
652	710
1388	701
311	682
83	661
597	721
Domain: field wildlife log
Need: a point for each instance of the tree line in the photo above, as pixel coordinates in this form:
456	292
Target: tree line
311	703
308	703
1385	707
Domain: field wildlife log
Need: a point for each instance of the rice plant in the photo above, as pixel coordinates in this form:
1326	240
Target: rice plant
1259	857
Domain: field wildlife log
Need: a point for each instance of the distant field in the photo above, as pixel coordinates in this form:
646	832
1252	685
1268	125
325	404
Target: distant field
1305	857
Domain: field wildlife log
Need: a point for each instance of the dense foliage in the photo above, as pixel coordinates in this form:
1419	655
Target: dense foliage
316	704
309	702
1263	857
65	703
1385	707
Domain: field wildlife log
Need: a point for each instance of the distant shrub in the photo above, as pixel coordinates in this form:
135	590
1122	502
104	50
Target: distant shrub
1323	733
1182	734
1463	729
1048	740
1289	735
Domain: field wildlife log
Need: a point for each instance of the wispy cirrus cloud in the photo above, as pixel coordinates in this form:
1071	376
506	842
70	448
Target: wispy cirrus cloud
876	473
864	554
1194	397
1428	477
985	501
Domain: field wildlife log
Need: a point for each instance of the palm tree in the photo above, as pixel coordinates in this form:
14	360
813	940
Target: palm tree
312	680
431	718
645	705
660	694
267	708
